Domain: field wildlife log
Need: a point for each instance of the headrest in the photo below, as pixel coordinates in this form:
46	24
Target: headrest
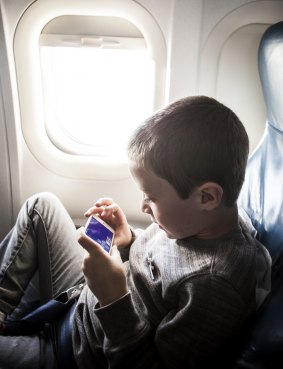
270	61
262	192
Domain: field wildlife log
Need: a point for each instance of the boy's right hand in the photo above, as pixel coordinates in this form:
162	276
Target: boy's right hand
113	215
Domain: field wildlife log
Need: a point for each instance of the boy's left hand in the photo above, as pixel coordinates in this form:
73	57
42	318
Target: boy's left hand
104	273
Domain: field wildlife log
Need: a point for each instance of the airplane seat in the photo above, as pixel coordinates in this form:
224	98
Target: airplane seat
262	199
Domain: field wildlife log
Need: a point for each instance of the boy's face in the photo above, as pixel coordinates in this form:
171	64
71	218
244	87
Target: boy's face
179	218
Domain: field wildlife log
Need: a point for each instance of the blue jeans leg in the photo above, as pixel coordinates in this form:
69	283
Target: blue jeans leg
40	255
39	258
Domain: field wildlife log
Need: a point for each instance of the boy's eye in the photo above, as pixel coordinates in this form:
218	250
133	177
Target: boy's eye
147	199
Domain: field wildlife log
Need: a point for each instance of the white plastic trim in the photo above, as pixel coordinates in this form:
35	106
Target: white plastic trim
27	61
257	12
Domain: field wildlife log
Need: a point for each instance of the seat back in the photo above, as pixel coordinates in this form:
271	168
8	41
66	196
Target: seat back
262	193
262	199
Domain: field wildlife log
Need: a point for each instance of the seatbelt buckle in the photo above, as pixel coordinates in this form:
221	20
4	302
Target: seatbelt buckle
70	294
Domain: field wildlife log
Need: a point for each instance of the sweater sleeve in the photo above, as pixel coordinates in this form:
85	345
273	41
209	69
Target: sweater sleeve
128	341
208	313
124	251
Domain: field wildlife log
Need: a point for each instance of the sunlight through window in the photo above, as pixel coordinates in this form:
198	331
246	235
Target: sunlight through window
95	97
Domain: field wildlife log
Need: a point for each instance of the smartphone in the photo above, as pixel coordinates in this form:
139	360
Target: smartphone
100	232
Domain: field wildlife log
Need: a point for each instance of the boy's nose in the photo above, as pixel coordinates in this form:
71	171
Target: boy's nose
145	208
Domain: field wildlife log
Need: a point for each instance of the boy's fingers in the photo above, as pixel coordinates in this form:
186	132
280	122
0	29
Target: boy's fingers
104	201
102	207
81	237
90	246
93	210
110	210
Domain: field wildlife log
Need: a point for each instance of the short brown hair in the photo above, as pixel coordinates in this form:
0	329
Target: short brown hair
192	141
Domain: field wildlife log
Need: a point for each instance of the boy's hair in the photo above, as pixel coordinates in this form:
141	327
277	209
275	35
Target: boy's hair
192	141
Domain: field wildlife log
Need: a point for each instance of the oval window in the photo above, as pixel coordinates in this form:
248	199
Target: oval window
98	85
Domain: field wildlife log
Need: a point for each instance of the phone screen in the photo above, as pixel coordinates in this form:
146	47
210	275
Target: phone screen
100	233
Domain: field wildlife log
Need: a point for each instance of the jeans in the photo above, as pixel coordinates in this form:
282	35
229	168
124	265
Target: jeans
39	258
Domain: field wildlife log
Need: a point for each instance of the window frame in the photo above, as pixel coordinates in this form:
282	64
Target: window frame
28	70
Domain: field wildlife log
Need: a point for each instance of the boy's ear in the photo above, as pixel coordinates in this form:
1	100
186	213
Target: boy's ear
211	195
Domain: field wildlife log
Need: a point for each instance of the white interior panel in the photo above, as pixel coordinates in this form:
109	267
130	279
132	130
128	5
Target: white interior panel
5	178
238	83
229	66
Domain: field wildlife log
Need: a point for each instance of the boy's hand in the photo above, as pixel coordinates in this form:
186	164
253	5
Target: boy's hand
104	273
113	215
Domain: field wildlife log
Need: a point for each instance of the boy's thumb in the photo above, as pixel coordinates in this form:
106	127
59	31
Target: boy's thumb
85	241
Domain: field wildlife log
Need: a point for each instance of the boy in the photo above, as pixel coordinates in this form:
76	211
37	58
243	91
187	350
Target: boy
187	284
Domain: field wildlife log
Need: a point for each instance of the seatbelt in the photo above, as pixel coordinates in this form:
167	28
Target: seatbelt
49	312
64	345
60	312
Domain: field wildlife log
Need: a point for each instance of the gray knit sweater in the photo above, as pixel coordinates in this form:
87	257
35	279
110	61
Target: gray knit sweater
187	304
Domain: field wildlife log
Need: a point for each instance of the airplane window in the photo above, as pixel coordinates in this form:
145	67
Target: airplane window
96	91
87	74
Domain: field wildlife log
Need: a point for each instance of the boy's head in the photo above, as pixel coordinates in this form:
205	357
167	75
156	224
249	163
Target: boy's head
193	141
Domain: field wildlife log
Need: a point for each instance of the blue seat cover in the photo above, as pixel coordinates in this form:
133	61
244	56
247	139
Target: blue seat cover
262	199
262	192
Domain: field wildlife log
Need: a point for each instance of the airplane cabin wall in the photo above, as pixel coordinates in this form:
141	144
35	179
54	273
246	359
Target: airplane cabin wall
200	37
